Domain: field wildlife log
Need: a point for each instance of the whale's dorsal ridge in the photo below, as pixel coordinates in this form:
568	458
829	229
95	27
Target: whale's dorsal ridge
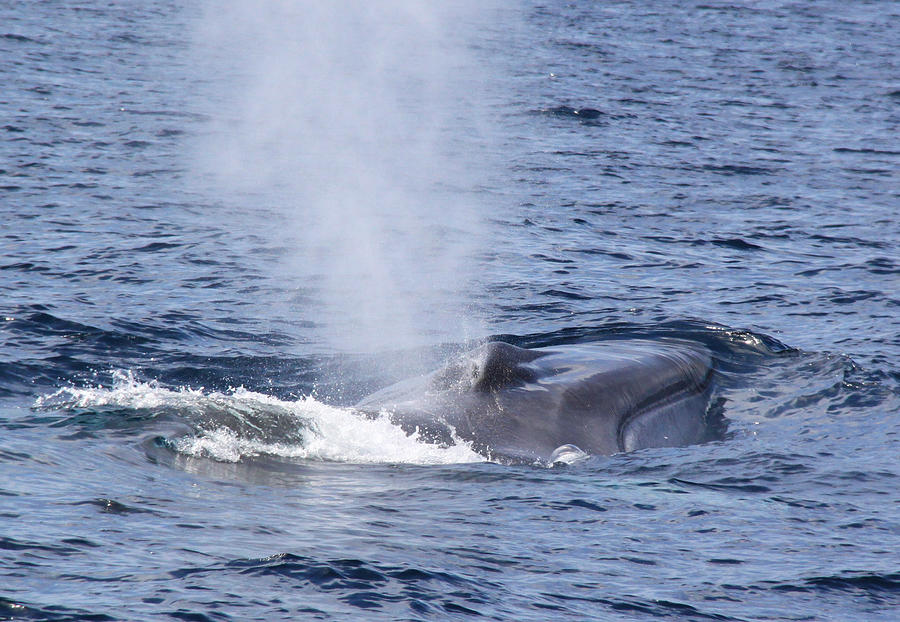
500	365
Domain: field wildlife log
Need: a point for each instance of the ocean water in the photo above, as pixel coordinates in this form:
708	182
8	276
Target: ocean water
188	316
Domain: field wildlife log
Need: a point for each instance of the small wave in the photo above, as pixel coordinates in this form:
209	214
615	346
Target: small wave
240	424
10	36
870	584
19	610
389	589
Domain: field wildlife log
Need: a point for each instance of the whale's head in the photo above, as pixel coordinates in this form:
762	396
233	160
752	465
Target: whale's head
523	404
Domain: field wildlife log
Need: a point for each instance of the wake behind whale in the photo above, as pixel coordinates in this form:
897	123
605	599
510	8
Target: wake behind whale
536	404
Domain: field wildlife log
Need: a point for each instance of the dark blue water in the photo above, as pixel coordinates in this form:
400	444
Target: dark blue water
176	438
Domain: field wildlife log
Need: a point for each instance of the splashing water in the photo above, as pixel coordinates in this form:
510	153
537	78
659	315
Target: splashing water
240	424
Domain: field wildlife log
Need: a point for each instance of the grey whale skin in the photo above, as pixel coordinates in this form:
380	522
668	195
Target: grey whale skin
525	404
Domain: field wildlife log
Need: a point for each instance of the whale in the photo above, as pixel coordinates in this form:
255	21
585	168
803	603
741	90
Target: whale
535	404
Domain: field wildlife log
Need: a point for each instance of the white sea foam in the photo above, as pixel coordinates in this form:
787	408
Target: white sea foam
302	429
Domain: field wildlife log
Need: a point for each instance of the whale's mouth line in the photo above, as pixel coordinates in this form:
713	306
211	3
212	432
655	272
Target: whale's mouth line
666	396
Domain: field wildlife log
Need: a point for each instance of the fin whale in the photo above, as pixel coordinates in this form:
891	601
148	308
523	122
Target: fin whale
525	404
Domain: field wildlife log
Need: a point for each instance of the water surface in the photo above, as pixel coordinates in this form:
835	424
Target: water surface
177	441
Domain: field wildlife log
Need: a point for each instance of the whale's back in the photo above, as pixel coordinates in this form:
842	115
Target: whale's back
603	397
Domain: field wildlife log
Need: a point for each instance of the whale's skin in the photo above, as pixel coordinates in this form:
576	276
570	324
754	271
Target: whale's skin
522	404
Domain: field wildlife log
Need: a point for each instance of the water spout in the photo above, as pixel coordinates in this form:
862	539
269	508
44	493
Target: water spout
363	124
